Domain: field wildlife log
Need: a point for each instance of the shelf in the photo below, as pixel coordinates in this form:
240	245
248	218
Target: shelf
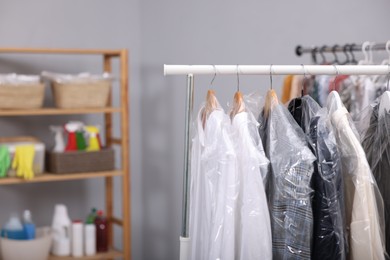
61	51
57	111
47	177
108	255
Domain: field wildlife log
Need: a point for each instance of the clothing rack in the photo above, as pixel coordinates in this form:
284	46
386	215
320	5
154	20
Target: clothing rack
191	70
299	50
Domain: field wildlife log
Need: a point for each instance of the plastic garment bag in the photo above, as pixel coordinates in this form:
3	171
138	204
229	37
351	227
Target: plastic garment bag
328	202
214	189
303	110
363	202
288	188
375	131
253	239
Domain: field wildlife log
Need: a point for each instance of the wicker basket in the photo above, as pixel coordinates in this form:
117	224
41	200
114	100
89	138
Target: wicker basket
80	161
81	95
23	96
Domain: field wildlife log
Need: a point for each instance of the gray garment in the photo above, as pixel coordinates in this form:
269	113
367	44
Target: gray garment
376	144
289	192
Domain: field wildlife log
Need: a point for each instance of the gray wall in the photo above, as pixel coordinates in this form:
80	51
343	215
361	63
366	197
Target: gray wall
158	32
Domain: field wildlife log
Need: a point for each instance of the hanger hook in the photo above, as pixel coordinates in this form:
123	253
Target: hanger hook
346	54
314	51
364	46
336	59
304	79
371	54
238	79
322	54
215	75
270	74
388	76
337	74
354	61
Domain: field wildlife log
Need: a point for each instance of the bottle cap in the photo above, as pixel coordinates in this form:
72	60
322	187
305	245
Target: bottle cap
100	213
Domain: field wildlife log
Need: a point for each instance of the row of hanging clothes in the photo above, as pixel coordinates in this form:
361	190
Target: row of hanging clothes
356	92
290	181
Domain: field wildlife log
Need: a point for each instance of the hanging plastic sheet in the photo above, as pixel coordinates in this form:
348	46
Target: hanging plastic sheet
214	187
363	202
289	192
254	239
374	127
329	237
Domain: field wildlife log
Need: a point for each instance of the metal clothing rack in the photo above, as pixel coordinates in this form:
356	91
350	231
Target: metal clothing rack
191	70
346	48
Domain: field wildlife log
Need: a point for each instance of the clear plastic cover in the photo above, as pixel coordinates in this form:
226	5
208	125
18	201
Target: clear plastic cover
229	217
17	79
363	202
329	236
289	192
76	78
375	131
303	110
254	239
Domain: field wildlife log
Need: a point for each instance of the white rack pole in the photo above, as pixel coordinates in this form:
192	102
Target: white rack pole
277	69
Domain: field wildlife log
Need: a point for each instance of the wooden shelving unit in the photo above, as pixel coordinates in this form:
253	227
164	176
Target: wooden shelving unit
122	141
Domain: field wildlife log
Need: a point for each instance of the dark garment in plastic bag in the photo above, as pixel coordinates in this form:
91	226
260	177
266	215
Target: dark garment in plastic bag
376	144
329	237
289	192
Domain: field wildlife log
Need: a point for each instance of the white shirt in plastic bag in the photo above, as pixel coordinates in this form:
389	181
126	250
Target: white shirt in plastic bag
254	239
364	205
214	189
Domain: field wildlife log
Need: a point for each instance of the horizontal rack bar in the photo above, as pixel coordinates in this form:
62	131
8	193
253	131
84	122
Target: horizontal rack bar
276	69
299	50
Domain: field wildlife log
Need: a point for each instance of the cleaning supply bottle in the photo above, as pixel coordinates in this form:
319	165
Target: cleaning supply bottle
71	129
101	224
28	225
77	238
13	229
59	143
94	143
61	231
92	216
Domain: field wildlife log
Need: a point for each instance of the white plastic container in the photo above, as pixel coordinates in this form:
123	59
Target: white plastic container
61	231
77	239
90	239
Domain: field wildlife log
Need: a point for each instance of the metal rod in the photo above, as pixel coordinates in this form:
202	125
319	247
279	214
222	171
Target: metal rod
187	155
299	50
277	69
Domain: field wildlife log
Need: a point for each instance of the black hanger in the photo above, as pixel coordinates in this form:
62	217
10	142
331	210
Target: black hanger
345	48
353	61
322	54
314	55
336	59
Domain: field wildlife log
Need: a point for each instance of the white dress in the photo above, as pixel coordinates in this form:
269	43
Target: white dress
253	227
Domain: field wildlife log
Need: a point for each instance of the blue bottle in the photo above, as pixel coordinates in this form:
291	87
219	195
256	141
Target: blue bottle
28	225
13	229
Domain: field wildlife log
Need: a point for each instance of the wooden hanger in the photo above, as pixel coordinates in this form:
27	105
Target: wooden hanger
211	105
238	105
270	101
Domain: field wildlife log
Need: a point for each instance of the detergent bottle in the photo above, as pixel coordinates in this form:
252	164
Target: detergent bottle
94	143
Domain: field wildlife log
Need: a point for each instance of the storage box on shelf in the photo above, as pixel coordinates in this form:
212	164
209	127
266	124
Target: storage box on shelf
80	161
21	96
104	107
81	95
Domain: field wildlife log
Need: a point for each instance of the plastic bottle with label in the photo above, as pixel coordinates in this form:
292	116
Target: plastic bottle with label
101	224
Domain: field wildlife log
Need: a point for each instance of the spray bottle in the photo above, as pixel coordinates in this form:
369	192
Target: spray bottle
94	142
59	146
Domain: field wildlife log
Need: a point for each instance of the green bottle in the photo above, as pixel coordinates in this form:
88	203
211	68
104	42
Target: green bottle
91	216
80	140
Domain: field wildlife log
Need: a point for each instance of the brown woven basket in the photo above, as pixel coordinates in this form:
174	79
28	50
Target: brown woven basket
81	95
80	161
23	96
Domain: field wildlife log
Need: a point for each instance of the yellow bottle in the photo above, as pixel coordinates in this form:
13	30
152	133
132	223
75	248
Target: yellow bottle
93	132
